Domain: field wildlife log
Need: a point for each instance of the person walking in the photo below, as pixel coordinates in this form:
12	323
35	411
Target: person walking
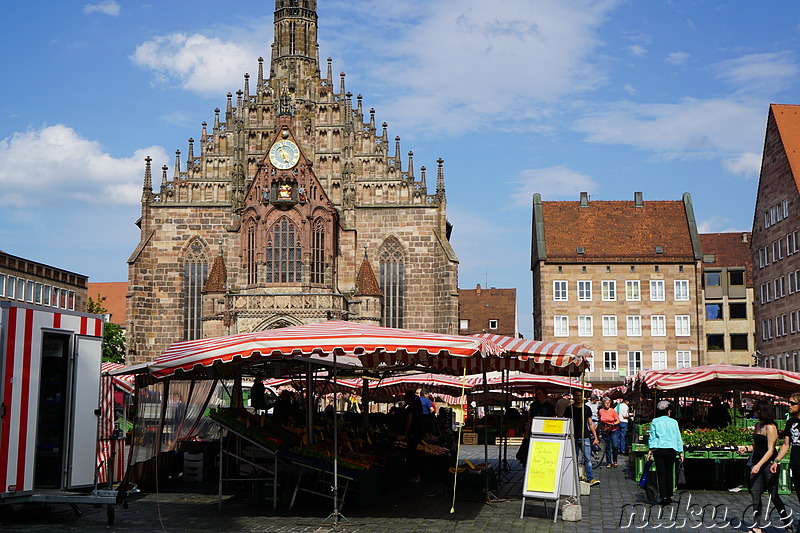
585	433
624	412
666	445
762	478
791	441
609	430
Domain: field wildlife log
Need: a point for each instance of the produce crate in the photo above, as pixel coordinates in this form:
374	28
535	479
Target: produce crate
719	454
640	447
469	437
696	454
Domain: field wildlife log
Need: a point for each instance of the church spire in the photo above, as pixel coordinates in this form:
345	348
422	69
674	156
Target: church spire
295	41
147	188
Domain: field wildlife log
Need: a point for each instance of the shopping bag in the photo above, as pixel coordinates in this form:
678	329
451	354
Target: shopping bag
522	452
681	477
645	473
651	489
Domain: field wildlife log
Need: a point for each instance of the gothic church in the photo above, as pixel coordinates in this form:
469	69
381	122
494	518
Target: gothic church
292	208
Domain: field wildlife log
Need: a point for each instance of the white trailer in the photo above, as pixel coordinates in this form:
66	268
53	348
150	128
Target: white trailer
49	406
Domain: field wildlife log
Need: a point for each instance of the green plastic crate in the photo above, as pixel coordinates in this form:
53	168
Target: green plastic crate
719	454
701	454
640	447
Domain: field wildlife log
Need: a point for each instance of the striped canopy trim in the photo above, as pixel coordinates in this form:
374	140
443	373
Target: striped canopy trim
541	358
771	380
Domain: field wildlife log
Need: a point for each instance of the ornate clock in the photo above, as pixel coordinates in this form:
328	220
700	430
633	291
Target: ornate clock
284	154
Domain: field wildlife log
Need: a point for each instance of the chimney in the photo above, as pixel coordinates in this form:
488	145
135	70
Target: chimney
584	199
478	289
637	199
745	237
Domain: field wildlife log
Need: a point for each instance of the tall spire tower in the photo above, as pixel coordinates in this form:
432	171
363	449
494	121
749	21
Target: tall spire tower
295	52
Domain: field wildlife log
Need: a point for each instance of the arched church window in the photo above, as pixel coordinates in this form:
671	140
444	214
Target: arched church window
284	253
195	274
252	276
392	283
318	252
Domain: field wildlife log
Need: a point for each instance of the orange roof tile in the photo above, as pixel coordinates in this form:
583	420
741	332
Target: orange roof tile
787	118
217	277
617	230
366	283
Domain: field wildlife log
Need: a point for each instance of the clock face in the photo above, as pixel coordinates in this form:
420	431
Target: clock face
284	154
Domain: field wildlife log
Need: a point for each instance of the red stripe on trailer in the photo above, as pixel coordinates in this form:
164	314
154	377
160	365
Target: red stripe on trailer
84	325
5	437
57	320
98	328
24	400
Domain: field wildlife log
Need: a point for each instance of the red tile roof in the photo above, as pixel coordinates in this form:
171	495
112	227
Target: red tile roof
618	231
114	293
787	118
217	277
729	249
366	283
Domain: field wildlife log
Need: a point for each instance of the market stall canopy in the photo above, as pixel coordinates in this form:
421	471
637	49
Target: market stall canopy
434	383
352	343
521	381
125	382
722	377
538	357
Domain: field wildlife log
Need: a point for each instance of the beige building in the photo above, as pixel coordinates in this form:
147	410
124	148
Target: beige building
728	298
621	277
269	218
27	281
775	246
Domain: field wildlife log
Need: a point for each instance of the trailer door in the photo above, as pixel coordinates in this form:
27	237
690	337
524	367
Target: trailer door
85	409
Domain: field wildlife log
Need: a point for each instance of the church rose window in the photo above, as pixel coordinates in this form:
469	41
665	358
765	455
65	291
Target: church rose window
392	284
284	253
195	276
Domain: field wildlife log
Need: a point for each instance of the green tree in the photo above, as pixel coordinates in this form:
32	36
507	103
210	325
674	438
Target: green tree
113	334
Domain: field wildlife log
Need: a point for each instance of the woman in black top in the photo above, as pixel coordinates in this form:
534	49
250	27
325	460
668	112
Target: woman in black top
762	477
791	441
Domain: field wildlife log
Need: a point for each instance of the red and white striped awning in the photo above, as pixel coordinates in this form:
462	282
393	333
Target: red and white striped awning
722	377
126	382
372	345
539	357
523	381
435	383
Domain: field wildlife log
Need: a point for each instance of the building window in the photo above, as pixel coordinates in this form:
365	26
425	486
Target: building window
681	289
12	284
71	300
658	325
737	311
46	295
284	253
712	279
463	324
715	343
633	291
713	311
609	290
392	284
585	291
29	289
318	253
609	361
684	358
560	291
195	274
739	341
21	289
64	299
659	360
561	326
609	326
634	325
38	296
585	326
590	360
657	290
634	362
252	266
493	324
682	326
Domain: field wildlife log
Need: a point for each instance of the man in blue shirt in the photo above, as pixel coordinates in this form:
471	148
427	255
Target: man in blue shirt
585	433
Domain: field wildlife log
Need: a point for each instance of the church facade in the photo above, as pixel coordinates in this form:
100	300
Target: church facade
293	207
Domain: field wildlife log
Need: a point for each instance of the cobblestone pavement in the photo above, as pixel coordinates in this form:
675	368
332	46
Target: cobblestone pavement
615	504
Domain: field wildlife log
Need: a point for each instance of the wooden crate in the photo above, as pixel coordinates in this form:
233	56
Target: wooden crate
509	441
469	437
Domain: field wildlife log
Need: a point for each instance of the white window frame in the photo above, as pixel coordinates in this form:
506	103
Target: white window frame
560	287
584	290
657	290
610	326
463	323
496	323
585	326
561	326
681	290
21	289
683	326
683	358
633	290
634	361
658	325
659	360
609	290
785	205
610	361
633	325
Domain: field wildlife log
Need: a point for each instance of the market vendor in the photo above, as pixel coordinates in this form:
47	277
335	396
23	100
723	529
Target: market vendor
718	415
412	432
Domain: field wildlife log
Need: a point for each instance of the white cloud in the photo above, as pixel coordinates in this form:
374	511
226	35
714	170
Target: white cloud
690	128
630	89
746	165
677	58
54	164
756	72
637	50
197	62
552	182
717	224
109	7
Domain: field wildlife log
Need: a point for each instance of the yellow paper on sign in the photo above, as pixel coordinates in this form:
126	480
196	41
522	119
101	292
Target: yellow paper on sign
543	466
553	426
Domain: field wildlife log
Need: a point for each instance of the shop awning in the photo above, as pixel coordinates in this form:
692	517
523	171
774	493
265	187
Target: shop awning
539	357
722	377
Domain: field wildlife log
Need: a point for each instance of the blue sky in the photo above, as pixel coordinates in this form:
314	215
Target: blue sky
517	96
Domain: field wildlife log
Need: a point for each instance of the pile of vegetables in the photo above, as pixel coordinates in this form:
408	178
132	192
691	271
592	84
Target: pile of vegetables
717	438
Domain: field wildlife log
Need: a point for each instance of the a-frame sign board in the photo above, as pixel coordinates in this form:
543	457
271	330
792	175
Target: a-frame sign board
551	469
